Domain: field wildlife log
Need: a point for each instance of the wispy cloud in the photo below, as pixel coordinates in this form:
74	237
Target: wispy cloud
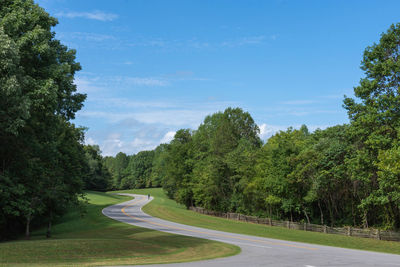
92	82
90	141
266	130
197	43
250	40
130	136
85	36
182	117
87	85
146	81
94	15
168	137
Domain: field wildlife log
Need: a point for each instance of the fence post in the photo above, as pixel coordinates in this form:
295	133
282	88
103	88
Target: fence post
325	230
288	224
305	226
378	234
348	230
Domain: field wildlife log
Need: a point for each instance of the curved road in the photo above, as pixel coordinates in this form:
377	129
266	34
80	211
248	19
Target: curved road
256	251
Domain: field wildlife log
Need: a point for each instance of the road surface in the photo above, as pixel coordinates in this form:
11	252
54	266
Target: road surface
256	251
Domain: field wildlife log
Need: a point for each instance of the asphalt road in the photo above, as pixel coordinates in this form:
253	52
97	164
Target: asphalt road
256	251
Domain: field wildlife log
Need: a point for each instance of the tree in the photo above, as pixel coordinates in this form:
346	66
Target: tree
217	175
321	169
159	165
375	122
14	111
38	98
14	106
120	164
98	177
275	164
179	167
138	171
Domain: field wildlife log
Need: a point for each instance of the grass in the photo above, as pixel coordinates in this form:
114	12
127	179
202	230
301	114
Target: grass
167	209
99	240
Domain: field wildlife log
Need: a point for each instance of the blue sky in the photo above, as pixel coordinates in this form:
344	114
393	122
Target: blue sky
150	68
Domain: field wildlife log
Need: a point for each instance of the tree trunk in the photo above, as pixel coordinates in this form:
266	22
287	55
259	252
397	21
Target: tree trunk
48	233
322	214
305	213
330	210
27	229
365	219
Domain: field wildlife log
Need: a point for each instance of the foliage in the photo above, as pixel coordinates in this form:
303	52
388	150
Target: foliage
98	177
375	125
41	152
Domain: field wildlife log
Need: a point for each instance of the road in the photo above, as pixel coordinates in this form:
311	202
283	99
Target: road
256	251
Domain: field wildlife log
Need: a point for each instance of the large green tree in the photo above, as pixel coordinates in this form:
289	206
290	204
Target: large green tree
38	98
281	191
178	168
98	176
375	121
217	174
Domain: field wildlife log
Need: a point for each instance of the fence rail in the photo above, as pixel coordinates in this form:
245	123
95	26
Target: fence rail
347	231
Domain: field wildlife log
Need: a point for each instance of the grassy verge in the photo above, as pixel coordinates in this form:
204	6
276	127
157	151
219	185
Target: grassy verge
167	209
98	240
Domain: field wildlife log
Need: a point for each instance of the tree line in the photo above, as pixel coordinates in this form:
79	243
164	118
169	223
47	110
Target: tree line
343	175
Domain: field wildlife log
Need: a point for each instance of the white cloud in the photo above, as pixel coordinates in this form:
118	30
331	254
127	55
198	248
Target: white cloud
92	84
201	44
266	130
87	85
115	143
112	144
146	81
90	141
95	15
176	118
141	144
168	137
251	40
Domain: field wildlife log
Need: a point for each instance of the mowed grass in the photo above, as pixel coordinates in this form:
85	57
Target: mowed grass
98	240
168	209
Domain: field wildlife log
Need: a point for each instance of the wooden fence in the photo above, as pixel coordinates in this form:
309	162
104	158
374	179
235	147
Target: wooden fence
347	231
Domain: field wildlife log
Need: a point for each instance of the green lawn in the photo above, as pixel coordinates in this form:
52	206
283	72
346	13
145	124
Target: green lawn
98	240
167	209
